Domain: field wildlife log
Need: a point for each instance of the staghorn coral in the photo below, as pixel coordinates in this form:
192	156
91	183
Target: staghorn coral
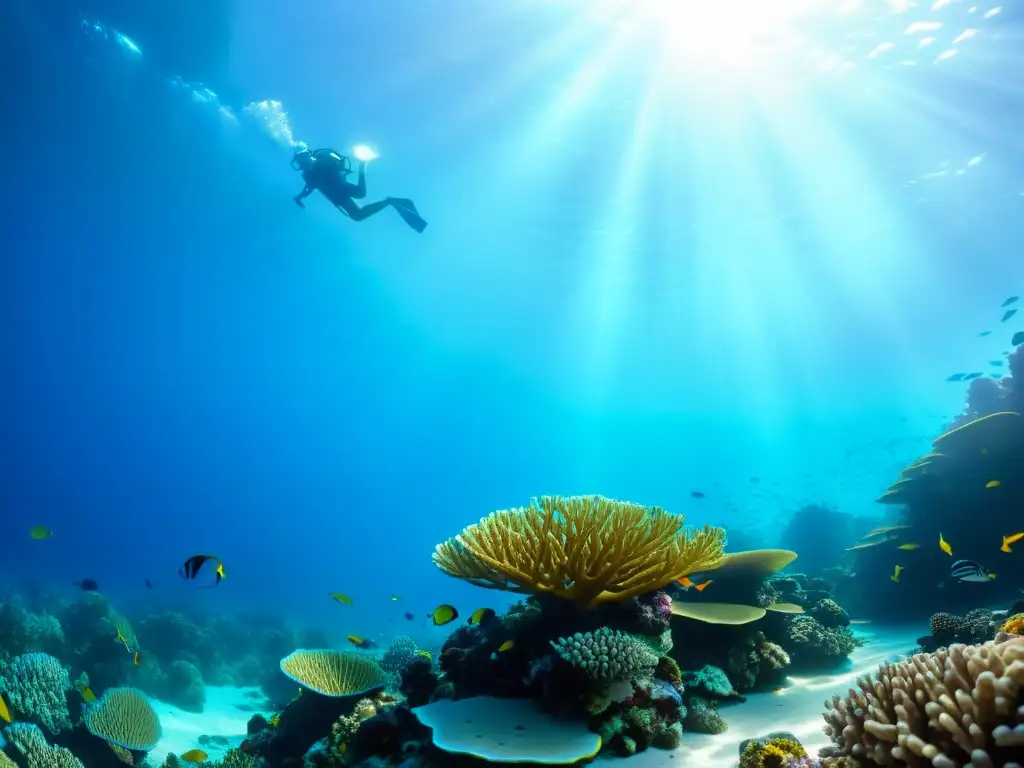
607	655
586	549
958	705
124	716
333	673
36	685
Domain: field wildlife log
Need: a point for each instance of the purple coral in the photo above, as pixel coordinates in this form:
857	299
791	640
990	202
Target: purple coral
802	762
654	611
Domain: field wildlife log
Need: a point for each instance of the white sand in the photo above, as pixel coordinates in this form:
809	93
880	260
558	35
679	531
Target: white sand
797	709
221	716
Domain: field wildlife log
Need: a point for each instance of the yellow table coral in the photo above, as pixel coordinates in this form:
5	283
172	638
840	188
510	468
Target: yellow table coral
586	549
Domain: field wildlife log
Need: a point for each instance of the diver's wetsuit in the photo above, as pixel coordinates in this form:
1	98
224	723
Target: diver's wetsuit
327	176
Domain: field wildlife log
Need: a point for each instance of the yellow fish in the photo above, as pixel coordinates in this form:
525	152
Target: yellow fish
275	720
39	532
1008	540
5	713
87	693
425	654
944	546
357	640
121	637
195	756
481	615
443	614
896	573
137	658
220	572
993	484
341	597
909	546
508	645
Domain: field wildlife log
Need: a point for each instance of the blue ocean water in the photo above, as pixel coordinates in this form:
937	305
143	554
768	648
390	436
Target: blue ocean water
653	266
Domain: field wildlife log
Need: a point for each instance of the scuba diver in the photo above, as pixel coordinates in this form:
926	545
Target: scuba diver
326	169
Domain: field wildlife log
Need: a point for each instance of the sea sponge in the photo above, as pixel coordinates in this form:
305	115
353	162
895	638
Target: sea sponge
36	686
955	706
333	673
702	717
1014	625
587	549
607	655
775	751
124	716
829	613
809	641
30	741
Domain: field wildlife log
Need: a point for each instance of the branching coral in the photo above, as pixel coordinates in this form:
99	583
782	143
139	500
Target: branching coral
607	655
586	549
958	705
36	685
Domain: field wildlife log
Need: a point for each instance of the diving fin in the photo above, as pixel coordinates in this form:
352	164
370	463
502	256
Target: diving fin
407	210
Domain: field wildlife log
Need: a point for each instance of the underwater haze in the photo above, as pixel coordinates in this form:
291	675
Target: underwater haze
700	255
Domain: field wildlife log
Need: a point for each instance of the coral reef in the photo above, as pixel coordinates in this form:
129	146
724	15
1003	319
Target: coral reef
30	741
955	706
776	750
585	549
976	626
36	686
811	643
1013	625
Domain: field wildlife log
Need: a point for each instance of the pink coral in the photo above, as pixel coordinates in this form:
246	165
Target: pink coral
655	611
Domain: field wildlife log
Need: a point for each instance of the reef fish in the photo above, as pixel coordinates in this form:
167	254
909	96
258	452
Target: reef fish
1008	301
985	333
425	654
968	570
5	713
86	692
195	756
1012	539
698	494
910	546
481	616
359	641
195	570
508	645
688	584
944	546
956	377
993	484
409	616
341	597
896	573
137	659
1008	314
443	614
87	585
39	532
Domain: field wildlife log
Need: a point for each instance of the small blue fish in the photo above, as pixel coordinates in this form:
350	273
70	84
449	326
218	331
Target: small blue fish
1007	302
1008	314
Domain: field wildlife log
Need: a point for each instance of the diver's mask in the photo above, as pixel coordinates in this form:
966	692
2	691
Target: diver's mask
301	159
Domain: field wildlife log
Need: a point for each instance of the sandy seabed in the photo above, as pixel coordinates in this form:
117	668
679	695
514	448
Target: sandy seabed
796	709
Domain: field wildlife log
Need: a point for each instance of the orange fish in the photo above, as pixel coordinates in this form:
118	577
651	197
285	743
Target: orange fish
687	583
